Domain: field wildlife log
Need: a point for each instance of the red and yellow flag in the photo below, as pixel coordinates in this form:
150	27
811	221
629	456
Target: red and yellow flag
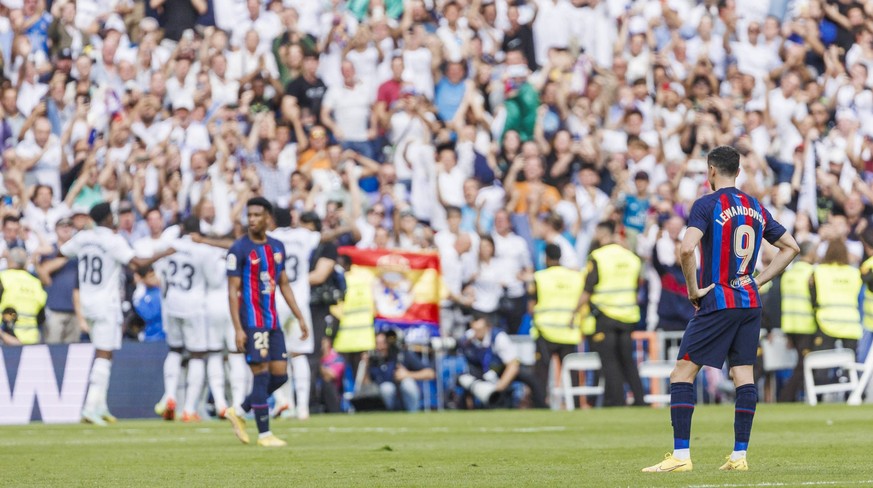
407	285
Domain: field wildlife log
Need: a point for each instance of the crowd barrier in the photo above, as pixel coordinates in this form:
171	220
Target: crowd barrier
49	383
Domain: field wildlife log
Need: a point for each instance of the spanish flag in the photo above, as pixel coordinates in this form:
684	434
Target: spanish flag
407	287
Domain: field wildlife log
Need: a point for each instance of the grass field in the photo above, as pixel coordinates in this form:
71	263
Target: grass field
792	445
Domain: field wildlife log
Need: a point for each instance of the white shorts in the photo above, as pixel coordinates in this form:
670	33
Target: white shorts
219	329
105	332
187	332
293	343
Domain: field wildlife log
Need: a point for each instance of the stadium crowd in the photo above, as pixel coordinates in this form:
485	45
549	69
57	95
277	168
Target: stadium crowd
501	134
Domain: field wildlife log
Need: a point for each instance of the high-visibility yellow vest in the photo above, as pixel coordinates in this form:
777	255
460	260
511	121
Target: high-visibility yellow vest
558	292
867	267
836	291
23	292
797	314
356	332
618	275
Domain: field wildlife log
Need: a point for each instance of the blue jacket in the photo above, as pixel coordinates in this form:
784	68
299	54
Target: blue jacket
148	306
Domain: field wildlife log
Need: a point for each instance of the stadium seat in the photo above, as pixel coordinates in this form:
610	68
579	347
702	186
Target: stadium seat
657	371
829	359
579	361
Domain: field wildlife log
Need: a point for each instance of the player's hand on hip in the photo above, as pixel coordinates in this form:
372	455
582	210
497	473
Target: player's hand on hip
241	340
695	297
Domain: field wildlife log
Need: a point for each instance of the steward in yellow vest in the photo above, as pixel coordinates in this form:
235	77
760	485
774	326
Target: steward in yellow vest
798	318
23	292
611	288
867	278
356	332
836	286
556	325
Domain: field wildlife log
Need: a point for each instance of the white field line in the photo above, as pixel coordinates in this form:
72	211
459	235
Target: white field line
776	483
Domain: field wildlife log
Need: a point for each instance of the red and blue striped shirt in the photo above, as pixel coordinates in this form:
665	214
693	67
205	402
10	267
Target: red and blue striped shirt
258	267
733	224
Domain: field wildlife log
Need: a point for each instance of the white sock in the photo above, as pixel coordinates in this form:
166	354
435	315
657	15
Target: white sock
264	434
196	375
215	373
239	375
682	454
98	384
737	455
302	376
172	367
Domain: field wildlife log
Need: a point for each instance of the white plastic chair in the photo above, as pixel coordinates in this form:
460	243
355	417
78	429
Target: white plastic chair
657	371
829	359
867	372
579	361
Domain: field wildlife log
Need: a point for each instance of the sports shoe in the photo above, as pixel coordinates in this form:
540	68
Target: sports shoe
271	441
108	417
222	414
279	410
303	413
190	417
670	465
89	417
238	424
738	465
166	409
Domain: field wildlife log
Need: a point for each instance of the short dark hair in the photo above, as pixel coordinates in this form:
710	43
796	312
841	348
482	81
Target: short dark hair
453	209
607	225
553	252
191	225
260	202
725	159
11	218
311	217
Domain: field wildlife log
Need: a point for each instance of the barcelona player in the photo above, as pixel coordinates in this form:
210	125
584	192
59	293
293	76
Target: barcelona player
727	226
255	266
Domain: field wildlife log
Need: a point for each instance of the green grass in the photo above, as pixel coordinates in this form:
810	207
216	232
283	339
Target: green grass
828	445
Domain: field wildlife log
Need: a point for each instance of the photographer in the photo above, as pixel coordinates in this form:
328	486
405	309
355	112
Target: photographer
394	368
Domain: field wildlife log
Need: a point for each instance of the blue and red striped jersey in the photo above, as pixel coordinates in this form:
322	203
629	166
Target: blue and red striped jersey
733	225
258	267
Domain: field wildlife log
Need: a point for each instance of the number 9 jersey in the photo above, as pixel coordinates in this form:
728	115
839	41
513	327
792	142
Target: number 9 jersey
102	253
733	224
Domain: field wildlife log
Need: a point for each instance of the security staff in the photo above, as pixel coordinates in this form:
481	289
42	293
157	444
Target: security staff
555	325
867	277
835	287
356	333
611	289
23	292
798	320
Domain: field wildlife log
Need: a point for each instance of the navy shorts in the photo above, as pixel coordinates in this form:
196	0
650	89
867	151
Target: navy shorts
263	346
730	334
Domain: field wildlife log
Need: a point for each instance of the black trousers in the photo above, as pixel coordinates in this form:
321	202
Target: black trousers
612	340
545	351
510	320
321	319
803	344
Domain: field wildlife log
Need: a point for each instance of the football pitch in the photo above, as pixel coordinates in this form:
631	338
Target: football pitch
792	445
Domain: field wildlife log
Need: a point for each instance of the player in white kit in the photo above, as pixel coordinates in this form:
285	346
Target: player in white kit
299	244
102	253
186	276
222	336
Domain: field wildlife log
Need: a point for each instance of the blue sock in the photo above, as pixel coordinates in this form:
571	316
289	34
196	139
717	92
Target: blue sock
258	401
681	409
276	382
747	399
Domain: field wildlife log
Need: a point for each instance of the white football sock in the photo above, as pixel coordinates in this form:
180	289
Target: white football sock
215	373
172	367
98	384
302	375
737	455
239	379
196	375
682	454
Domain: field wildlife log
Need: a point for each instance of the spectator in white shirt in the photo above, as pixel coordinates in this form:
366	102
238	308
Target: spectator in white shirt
347	112
40	155
267	24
